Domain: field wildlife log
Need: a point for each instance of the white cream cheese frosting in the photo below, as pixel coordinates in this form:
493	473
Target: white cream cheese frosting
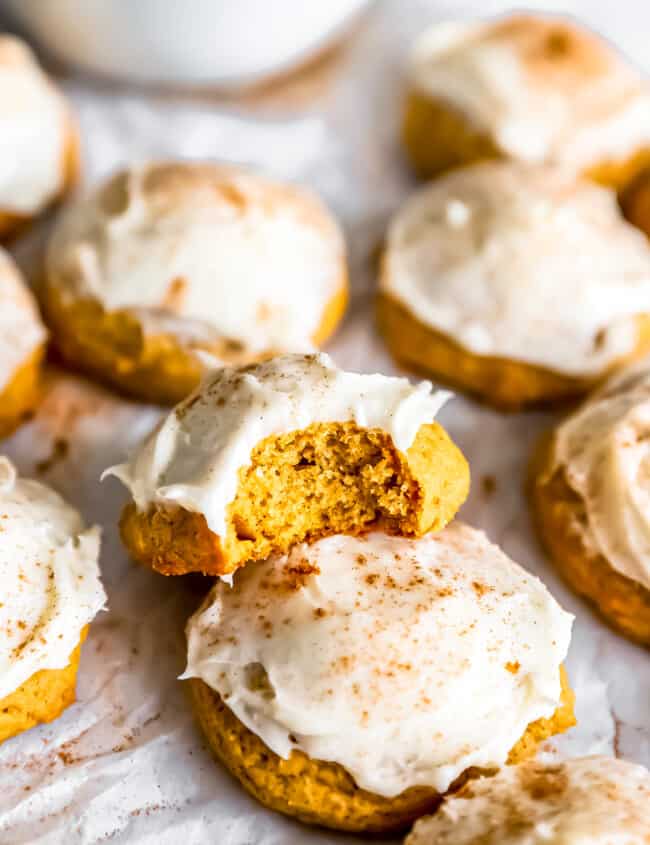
193	457
543	89
405	661
586	801
604	452
50	576
21	329
211	251
34	132
522	263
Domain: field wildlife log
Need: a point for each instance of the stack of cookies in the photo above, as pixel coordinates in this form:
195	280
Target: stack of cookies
358	657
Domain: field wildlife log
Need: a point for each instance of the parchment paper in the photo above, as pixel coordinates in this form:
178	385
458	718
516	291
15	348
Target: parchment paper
126	764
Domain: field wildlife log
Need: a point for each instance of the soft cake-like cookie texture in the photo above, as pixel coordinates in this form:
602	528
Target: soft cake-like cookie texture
262	457
516	283
51	592
22	343
589	491
354	681
169	260
38	139
587	801
530	88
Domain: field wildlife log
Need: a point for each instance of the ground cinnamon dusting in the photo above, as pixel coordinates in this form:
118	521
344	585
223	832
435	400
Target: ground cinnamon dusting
488	485
296	576
543	782
175	293
481	589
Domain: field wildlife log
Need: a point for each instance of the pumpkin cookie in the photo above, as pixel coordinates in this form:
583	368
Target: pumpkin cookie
515	283
530	88
22	343
51	592
39	139
167	261
354	681
587	801
262	457
590	500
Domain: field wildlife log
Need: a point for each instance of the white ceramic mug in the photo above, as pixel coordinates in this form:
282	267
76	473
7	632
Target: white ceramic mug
196	42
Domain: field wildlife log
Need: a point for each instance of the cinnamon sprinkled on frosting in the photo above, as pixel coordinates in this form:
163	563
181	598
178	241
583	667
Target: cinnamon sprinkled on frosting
385	658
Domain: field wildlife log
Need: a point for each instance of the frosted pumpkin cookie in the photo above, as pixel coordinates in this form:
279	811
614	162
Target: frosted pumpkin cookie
262	457
590	498
587	801
170	260
515	283
50	593
22	343
534	89
354	681
38	138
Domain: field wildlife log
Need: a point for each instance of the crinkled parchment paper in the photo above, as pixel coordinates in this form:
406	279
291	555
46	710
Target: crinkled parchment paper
126	764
